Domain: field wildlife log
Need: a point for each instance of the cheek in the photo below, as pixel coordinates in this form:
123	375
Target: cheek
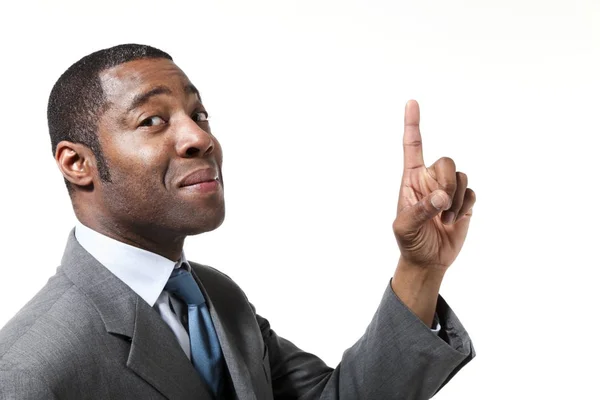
151	158
218	152
144	161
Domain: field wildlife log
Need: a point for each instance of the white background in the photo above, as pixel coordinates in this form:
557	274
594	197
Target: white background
307	100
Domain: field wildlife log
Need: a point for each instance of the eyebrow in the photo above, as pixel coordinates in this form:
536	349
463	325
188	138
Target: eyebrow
142	98
191	89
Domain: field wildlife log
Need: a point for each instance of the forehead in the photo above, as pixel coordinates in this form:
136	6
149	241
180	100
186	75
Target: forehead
123	82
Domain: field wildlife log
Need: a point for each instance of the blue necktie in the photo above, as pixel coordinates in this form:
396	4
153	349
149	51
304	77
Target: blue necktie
206	353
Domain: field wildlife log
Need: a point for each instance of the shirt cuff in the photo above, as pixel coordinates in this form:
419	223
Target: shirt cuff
436	327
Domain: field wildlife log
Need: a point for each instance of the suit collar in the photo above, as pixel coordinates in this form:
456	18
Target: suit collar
113	299
154	355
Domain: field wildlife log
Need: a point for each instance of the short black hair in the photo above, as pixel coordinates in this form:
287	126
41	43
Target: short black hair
77	100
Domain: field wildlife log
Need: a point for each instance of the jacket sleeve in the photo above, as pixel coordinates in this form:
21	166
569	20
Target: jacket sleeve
398	357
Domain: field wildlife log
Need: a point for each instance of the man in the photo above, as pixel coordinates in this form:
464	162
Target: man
128	317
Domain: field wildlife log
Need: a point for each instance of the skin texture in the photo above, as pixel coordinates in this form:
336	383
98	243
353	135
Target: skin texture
148	149
151	147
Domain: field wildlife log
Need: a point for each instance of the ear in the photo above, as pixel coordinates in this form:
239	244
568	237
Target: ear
76	162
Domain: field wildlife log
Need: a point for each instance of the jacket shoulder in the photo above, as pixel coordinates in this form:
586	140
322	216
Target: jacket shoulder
17	384
39	306
53	329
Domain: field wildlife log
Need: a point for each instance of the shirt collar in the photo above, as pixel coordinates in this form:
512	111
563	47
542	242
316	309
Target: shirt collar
146	273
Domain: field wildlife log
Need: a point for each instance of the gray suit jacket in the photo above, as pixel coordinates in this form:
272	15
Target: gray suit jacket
86	335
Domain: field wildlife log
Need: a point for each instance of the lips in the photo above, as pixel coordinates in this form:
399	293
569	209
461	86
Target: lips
199	176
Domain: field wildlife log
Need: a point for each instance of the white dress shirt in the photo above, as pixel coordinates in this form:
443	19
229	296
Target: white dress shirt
146	273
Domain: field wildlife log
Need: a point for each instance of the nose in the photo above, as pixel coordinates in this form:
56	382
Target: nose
193	141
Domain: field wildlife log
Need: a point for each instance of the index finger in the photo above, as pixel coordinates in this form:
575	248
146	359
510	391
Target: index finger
413	146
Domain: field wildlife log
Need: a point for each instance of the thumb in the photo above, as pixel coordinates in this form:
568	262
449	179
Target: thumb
424	210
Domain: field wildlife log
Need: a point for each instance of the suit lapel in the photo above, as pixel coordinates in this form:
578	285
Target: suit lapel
234	359
157	358
155	354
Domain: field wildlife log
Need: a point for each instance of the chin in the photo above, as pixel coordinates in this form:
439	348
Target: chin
206	223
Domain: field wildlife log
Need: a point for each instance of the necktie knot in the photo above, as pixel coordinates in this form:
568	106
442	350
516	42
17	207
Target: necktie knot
182	284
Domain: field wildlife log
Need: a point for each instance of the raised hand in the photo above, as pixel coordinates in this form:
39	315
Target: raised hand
434	205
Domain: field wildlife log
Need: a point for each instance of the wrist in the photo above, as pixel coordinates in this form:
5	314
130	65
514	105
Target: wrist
425	271
418	286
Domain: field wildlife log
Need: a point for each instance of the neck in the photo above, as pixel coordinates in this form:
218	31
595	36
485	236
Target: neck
143	237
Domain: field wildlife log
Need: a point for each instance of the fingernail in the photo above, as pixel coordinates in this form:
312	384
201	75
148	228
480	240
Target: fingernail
449	218
438	201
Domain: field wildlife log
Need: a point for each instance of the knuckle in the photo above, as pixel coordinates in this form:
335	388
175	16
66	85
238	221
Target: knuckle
448	162
471	195
399	227
414	143
449	187
462	177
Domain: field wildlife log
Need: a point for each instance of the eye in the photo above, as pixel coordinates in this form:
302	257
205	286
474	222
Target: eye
200	116
152	121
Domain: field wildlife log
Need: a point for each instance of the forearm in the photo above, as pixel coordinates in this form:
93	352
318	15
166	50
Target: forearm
418	288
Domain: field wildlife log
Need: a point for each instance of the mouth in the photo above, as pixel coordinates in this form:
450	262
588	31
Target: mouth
206	186
203	180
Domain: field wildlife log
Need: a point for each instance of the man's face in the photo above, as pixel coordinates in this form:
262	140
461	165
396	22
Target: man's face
162	157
